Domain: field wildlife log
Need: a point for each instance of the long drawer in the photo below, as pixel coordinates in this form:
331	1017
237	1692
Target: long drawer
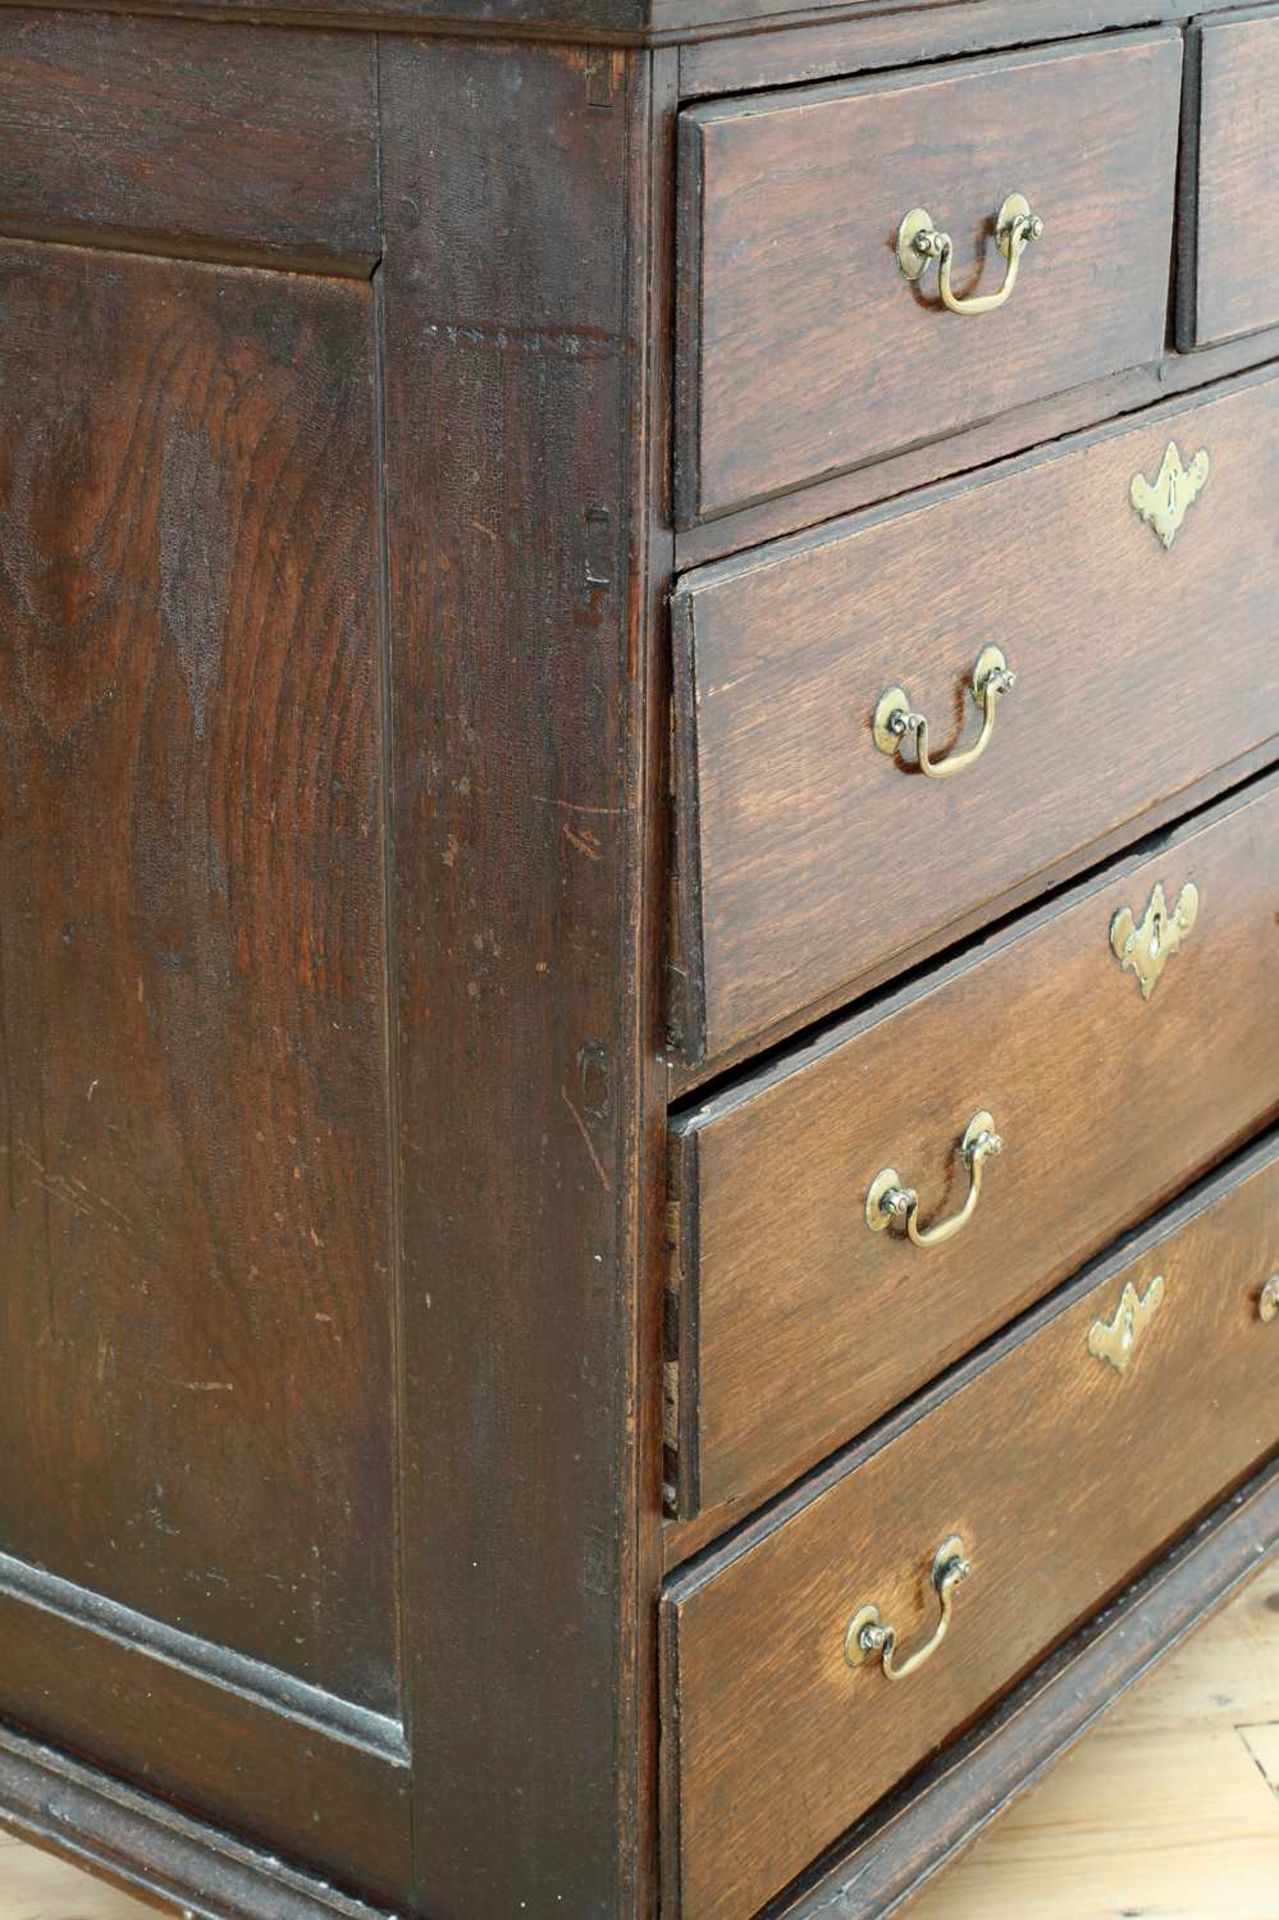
804	346
1005	1509
1126	578
1110	1085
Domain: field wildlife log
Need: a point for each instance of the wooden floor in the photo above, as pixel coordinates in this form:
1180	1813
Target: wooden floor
1169	1811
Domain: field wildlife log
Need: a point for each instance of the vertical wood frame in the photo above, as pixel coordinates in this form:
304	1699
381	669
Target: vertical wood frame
516	289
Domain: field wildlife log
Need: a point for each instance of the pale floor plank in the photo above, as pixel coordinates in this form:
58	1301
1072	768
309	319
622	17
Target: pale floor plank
36	1886
1170	1811
1166	1812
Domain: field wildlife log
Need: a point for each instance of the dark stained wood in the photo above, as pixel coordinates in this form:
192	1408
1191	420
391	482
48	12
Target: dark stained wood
807	858
951	1803
333	619
764	1768
173	137
1227	286
803	349
281	1764
516	288
620	22
780	1277
143	1843
192	972
868	39
1012	432
653	536
685	1083
573	22
697	19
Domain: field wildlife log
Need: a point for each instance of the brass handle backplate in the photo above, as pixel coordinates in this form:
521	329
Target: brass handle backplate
889	1203
895	721
870	1637
919	242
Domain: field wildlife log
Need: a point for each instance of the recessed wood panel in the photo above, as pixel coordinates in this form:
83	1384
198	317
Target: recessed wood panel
195	1315
810	861
805	350
1063	1475
802	1326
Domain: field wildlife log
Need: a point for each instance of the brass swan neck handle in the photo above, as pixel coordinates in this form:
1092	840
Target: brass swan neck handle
895	721
919	242
889	1203
869	1636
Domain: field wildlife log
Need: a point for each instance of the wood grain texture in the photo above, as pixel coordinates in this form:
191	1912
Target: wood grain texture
762	1772
1226	285
870	39
780	1276
240	1752
163	135
140	1841
652	23
808	859
1117	395
893	1853
517	298
192	985
1202	1834
694	19
804	349
269	742
1203	1726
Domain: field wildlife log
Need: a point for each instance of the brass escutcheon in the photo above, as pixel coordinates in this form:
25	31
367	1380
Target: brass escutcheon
894	720
890	1204
869	1636
1146	949
1164	503
1116	1340
919	243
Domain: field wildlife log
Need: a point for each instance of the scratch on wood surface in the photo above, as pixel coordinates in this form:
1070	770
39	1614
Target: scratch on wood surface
574	806
73	1193
584	842
571	343
596	1162
194	1386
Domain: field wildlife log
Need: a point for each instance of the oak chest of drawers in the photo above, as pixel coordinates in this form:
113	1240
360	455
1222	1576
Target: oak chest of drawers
639	930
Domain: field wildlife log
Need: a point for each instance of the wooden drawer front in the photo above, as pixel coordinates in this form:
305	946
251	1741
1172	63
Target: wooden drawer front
1062	1476
811	864
802	1326
1227	285
804	349
247	143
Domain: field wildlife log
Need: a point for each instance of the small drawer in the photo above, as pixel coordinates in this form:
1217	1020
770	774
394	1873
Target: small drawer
805	349
1059	1464
1227	283
1110	1086
813	859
